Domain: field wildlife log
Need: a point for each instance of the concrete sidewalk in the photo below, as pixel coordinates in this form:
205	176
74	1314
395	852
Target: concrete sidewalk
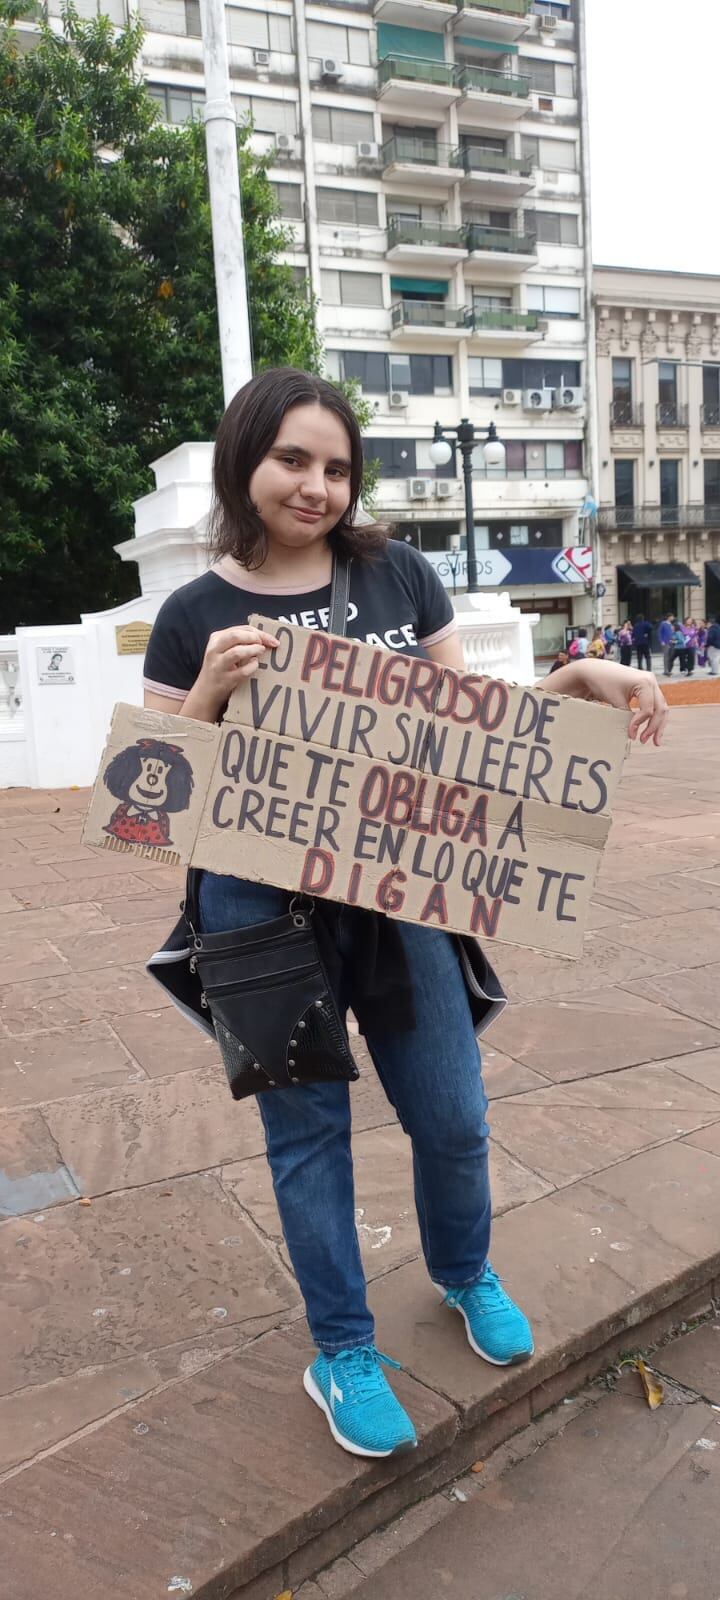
155	1436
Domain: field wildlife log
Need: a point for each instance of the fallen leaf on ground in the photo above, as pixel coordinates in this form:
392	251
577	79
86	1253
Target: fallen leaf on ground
478	1466
85	1200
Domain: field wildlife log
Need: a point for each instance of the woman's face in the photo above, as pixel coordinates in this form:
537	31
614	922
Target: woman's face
301	488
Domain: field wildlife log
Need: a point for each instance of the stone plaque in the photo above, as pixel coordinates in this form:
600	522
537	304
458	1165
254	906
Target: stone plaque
132	638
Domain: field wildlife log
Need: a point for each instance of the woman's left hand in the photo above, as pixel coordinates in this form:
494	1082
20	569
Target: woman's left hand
613	685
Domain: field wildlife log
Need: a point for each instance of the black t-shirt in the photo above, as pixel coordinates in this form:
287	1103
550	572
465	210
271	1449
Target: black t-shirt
396	601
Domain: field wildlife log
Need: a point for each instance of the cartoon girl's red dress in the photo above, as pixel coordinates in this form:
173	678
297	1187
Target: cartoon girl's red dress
139	827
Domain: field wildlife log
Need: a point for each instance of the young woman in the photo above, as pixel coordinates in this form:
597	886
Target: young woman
625	641
596	647
287	479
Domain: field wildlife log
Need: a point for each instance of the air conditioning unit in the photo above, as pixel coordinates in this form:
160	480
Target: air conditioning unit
547	24
551	177
285	144
398	399
445	488
418	488
568	399
511	397
330	67
537	399
367	150
261	58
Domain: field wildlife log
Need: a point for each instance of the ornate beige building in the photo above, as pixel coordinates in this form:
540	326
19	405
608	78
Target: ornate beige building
658	439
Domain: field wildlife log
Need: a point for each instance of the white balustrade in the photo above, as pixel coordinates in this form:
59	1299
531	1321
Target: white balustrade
10	687
496	637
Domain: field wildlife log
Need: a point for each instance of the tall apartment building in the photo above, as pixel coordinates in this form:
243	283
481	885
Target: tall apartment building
658	388
428	156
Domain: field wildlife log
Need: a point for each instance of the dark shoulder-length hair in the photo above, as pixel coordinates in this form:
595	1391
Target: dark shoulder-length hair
247	432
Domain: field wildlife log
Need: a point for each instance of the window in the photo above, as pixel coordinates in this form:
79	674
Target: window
159	16
553	227
485	375
668	393
267	116
669	491
624	488
711	396
338	125
289	198
622	385
422	374
351	288
548	77
397	456
547	534
544	297
541	375
553	8
192	19
552	155
369	369
259	30
346	44
355	208
177	105
712	483
534	458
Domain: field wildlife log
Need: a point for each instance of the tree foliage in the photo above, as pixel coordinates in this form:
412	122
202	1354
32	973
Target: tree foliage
108	328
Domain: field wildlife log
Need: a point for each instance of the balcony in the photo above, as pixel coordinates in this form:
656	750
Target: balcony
430	15
507	328
623	414
422	89
429	316
498	252
709	417
413	243
488	174
410	160
506	20
613	519
490	97
669	414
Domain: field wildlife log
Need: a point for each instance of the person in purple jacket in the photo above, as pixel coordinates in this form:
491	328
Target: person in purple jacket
642	634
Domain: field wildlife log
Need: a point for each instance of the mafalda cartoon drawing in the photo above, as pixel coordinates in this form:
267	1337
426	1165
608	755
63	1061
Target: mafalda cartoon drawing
150	779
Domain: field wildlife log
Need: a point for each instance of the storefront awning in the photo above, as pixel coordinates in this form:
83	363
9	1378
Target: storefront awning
660	575
419	285
713	567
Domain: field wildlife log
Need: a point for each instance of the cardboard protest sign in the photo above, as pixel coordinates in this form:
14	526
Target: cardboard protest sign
387	781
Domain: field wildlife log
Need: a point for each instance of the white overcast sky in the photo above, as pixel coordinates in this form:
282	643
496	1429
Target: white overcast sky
654	93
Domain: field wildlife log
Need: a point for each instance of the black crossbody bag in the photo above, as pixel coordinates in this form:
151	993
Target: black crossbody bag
265	988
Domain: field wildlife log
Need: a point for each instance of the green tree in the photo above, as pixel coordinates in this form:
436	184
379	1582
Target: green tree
108	329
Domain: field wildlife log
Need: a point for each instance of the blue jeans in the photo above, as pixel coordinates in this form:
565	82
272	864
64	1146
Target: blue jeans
432	1076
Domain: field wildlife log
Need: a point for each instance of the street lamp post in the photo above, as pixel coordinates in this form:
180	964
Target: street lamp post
467	437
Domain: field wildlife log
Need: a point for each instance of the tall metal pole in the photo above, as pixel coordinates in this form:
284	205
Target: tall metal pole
225	203
592	425
467	441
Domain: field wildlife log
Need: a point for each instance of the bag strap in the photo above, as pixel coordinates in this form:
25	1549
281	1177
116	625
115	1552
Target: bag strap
339	595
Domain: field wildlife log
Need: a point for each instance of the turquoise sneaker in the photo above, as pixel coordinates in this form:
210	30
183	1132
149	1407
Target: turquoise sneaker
496	1328
365	1416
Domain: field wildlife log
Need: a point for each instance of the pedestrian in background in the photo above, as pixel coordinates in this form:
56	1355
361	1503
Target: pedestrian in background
596	647
691	639
712	646
666	631
610	640
561	660
679	648
625	642
582	641
702	644
641	637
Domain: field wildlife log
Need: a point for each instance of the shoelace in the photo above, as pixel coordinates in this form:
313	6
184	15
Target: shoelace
358	1376
494	1297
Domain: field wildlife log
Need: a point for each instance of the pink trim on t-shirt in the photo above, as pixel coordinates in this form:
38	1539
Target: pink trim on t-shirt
167	689
442	633
231	571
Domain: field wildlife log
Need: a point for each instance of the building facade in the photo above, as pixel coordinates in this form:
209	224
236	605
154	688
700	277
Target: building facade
428	156
658	420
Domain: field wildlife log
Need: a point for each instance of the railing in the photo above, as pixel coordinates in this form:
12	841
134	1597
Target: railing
521	321
502	239
492	82
420	152
709	416
439	234
611	518
669	414
10	687
428	314
413	69
510	8
476	158
623	414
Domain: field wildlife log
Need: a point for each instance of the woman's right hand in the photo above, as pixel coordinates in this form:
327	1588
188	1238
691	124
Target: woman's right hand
231	655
